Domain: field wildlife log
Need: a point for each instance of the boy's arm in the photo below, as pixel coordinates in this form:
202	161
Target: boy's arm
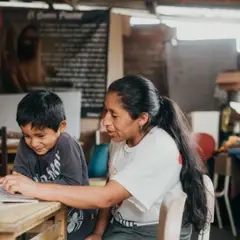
21	161
103	218
102	221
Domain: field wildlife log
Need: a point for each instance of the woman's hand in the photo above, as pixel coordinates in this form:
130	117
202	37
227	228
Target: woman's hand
18	183
94	236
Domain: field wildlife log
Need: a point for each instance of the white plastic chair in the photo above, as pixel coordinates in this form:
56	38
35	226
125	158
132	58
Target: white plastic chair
209	190
223	167
171	213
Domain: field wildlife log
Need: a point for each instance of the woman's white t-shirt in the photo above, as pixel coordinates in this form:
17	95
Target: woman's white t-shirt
148	171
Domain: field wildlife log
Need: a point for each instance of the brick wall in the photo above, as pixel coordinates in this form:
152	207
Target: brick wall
144	55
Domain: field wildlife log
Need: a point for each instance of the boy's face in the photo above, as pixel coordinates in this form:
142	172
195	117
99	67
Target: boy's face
41	140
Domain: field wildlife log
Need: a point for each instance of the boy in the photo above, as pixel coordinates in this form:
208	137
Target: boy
47	154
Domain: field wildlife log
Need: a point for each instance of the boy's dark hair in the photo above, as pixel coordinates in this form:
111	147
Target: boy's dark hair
41	108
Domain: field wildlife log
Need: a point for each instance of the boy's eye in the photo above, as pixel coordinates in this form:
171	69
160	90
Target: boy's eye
114	116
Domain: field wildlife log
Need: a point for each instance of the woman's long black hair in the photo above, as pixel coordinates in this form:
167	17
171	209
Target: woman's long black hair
139	95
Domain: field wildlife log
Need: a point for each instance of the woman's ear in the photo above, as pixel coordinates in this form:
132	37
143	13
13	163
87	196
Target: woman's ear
143	119
62	126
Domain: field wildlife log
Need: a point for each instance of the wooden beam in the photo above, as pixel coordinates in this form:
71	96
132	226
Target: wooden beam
42	227
137	4
201	3
132	4
126	28
51	232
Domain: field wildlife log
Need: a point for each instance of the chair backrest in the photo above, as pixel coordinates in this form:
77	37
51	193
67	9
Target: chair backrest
210	194
206	145
222	165
209	190
171	213
98	162
3	152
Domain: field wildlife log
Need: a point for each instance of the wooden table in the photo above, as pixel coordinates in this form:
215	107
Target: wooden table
19	218
99	182
12	145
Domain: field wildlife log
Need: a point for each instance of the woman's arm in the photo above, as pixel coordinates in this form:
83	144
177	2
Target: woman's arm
102	221
84	197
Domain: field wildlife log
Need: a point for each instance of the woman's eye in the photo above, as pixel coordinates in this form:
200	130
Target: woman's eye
104	113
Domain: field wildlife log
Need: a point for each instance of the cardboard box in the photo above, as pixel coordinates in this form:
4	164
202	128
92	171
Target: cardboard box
229	80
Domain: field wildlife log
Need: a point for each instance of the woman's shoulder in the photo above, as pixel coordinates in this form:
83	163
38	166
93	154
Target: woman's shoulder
159	140
157	135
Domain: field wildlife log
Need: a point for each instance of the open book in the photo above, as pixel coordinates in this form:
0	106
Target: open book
11	198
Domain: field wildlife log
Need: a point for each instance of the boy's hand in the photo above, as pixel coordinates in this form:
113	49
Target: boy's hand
2	178
19	183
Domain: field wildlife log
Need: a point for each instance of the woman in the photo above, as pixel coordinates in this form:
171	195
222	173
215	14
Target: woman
151	153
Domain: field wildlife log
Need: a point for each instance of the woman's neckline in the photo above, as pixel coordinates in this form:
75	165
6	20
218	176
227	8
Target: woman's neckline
131	148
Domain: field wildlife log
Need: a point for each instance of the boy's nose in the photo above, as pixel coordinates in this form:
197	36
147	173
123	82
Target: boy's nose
34	143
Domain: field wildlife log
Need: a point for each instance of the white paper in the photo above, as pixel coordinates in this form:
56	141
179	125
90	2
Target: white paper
11	198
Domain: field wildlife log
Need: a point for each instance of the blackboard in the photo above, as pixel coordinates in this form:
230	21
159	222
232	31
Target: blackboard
71	53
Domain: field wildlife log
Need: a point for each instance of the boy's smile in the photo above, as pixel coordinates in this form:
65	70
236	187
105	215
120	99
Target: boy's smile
40	140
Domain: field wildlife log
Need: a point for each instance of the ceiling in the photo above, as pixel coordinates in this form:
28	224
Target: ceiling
141	4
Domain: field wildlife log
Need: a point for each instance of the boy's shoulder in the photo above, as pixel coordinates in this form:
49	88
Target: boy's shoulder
66	139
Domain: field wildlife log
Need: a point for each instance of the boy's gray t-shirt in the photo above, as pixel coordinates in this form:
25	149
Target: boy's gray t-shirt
64	164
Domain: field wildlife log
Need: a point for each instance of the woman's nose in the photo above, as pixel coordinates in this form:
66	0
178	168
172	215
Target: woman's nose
106	120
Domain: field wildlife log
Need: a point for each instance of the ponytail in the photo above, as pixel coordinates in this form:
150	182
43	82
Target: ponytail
172	120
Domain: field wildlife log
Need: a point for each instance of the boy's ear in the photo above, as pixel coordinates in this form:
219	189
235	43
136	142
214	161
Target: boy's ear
63	126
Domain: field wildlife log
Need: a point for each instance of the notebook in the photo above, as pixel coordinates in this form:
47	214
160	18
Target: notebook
14	198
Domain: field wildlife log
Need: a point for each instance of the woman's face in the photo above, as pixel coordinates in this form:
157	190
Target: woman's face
117	121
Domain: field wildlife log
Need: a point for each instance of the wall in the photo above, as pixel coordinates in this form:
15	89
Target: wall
144	54
71	102
193	67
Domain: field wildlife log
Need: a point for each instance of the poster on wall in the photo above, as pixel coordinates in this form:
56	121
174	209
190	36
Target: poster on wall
56	50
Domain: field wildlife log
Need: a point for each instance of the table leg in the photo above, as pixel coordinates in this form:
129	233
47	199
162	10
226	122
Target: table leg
7	236
61	217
